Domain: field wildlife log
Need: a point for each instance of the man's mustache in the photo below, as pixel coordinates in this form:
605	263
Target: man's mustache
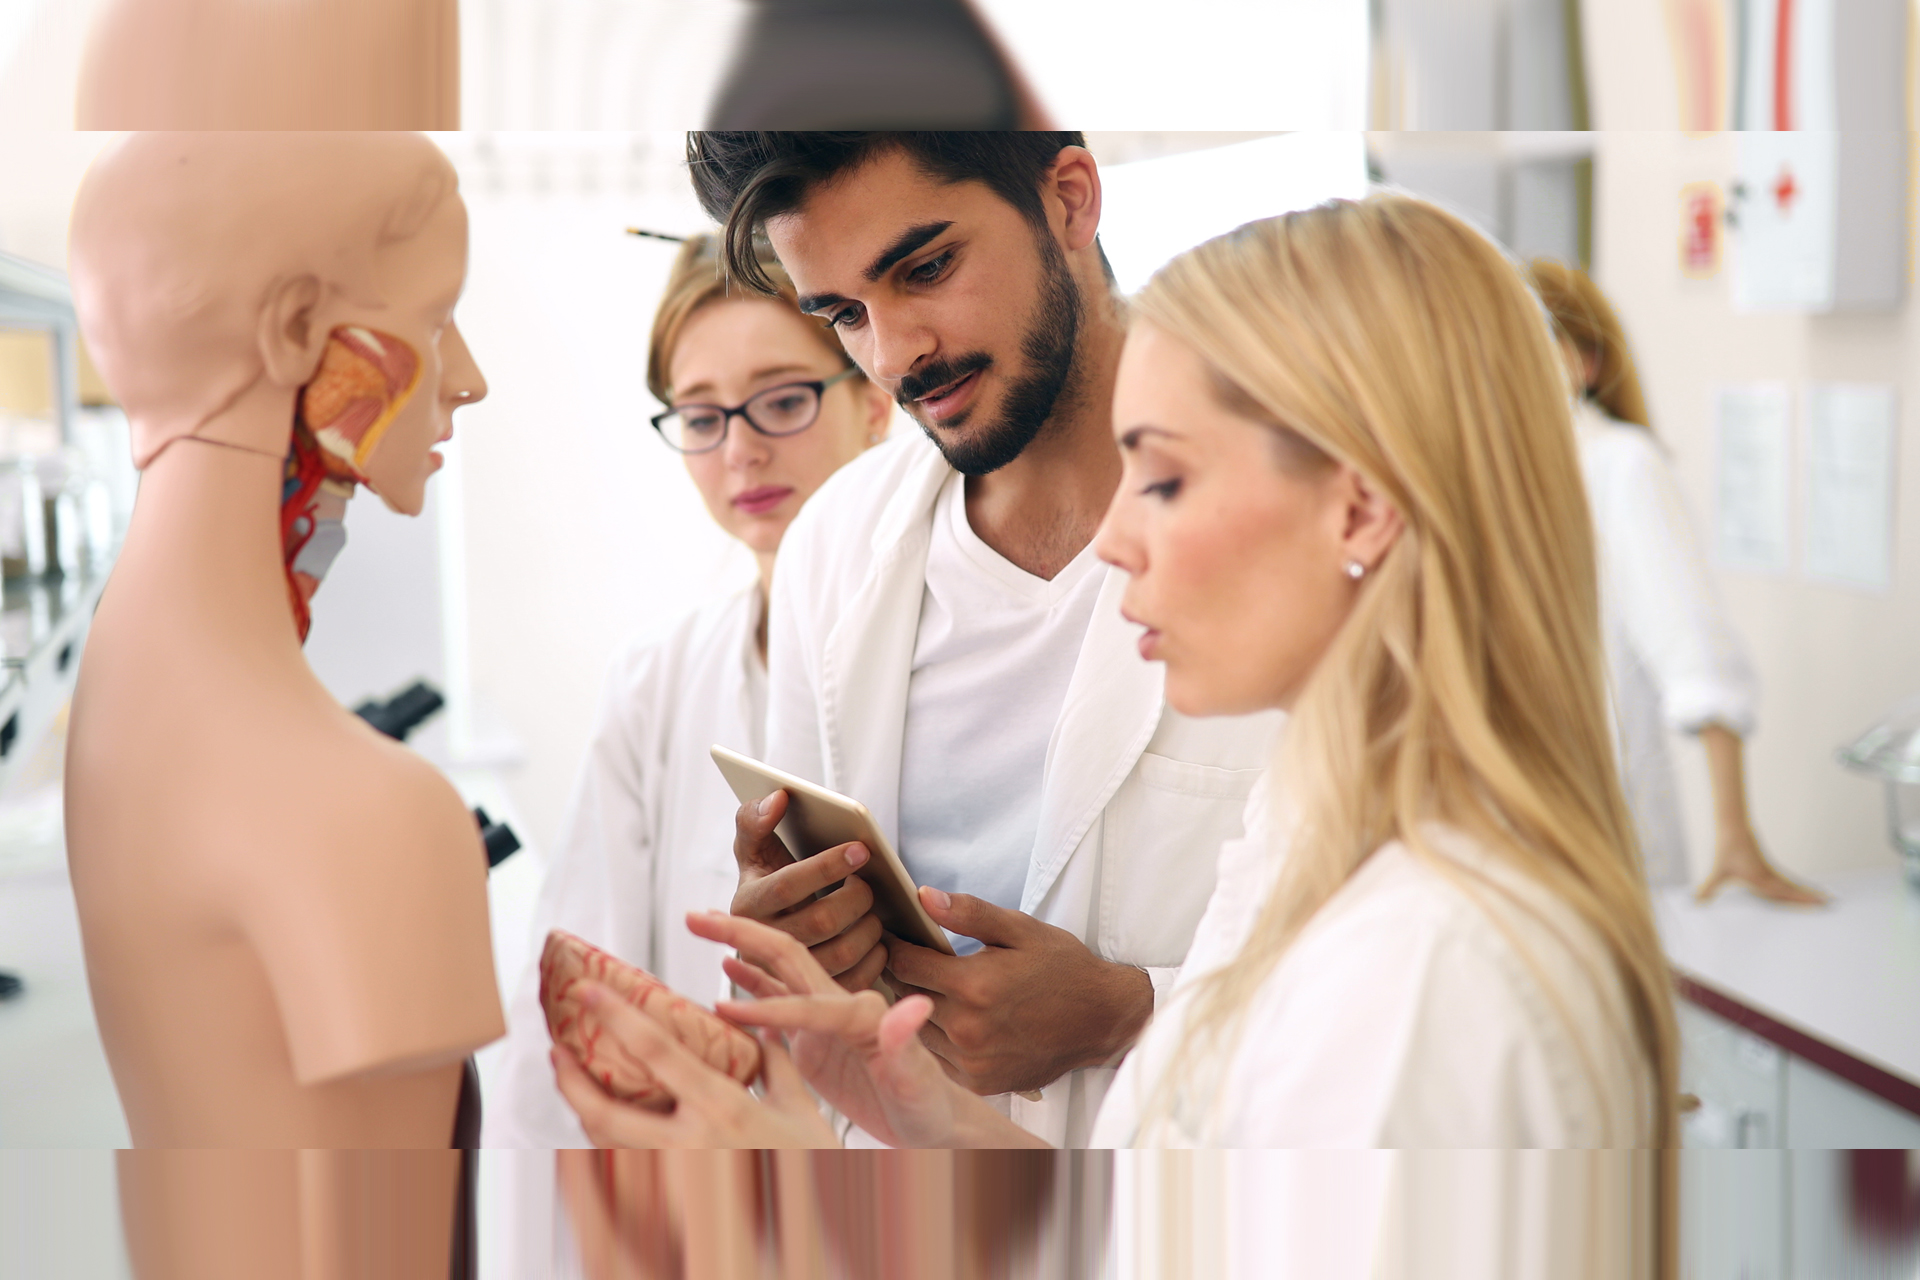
936	376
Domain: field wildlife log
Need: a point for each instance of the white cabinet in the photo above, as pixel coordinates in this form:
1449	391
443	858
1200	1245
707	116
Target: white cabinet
1767	1180
1825	1112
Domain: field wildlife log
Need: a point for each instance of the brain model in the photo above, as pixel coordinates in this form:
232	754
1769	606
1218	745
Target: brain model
566	961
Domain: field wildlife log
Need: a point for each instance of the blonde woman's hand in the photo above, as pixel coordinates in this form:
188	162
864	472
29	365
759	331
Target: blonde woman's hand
1738	859
712	1109
864	1058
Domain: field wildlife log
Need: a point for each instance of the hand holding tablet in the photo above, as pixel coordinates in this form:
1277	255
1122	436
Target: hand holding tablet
817	820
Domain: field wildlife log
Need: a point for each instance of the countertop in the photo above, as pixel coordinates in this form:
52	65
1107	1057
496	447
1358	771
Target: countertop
1846	974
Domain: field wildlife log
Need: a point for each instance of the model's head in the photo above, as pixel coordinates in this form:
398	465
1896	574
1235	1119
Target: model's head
956	267
1352	490
206	265
1596	347
718	347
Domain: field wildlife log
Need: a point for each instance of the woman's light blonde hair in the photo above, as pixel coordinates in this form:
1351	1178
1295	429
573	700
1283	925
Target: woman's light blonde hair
1467	686
697	280
1582	315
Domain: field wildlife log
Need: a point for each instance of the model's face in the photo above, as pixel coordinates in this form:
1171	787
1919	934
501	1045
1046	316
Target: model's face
948	299
420	280
753	484
1236	564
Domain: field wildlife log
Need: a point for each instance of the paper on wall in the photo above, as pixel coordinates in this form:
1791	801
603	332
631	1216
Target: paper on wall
1753	458
1850	479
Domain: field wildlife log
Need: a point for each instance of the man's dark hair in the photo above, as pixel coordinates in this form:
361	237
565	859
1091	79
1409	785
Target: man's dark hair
744	177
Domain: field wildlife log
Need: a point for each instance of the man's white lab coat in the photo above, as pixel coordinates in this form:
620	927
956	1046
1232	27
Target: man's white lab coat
1136	799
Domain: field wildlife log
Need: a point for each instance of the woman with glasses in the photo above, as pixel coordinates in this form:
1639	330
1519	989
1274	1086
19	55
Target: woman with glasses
762	405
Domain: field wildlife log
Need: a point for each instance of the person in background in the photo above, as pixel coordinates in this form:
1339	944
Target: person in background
1351	492
763	405
1676	661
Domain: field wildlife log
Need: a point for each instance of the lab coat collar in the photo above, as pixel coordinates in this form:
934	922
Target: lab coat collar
868	660
1112	708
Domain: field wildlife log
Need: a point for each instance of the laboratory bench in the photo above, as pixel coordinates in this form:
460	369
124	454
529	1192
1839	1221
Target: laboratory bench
1800	1037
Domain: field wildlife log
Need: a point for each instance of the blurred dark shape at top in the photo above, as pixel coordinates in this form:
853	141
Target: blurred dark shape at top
837	64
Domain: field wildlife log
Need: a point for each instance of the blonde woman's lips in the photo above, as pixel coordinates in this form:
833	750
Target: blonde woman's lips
757	502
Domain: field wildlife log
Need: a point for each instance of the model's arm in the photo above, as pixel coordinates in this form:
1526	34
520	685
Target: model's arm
370	918
1737	856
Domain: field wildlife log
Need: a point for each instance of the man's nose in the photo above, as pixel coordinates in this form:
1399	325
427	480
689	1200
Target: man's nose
899	343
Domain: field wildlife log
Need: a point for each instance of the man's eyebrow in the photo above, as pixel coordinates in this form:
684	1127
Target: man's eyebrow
903	244
812	302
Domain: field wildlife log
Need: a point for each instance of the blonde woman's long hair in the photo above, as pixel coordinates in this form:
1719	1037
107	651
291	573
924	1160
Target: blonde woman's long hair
1583	316
1467	687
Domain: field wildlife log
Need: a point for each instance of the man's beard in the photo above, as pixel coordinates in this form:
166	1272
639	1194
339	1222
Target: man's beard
1031	399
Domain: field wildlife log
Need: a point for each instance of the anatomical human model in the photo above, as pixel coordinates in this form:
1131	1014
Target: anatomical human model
284	913
272	64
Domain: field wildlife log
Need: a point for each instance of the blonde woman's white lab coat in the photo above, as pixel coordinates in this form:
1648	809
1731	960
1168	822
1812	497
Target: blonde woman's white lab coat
1677	665
1396	1089
648	837
1136	799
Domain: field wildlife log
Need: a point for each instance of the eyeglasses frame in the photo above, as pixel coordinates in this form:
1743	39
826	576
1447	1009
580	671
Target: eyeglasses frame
740	410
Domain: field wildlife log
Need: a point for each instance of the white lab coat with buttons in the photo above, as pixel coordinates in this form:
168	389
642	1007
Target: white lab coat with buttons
648	837
1136	799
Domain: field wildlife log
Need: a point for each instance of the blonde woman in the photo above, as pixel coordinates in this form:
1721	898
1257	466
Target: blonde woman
1676	661
1350	492
762	405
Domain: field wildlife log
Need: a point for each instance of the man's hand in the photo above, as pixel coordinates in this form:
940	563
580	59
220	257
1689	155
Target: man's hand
1030	1006
839	928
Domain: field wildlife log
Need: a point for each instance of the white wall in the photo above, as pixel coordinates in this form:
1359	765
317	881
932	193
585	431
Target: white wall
1830	658
581	527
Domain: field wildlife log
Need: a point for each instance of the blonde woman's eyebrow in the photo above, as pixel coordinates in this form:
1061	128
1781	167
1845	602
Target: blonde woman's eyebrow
1134	435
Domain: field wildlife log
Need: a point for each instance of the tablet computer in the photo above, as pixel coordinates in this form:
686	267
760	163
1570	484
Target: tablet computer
818	819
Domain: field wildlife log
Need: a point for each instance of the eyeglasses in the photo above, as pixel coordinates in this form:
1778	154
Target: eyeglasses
785	410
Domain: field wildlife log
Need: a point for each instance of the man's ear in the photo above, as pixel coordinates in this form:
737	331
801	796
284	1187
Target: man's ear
291	337
1075	183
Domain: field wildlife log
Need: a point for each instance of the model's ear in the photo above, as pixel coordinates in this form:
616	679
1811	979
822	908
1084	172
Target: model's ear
291	338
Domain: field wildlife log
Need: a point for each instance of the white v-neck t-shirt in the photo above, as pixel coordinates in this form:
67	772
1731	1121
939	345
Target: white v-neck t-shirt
995	652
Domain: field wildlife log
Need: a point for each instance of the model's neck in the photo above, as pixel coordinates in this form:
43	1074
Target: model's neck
207	525
1043	508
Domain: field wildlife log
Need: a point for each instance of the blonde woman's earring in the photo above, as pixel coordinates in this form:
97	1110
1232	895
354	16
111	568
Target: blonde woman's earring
1356	570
